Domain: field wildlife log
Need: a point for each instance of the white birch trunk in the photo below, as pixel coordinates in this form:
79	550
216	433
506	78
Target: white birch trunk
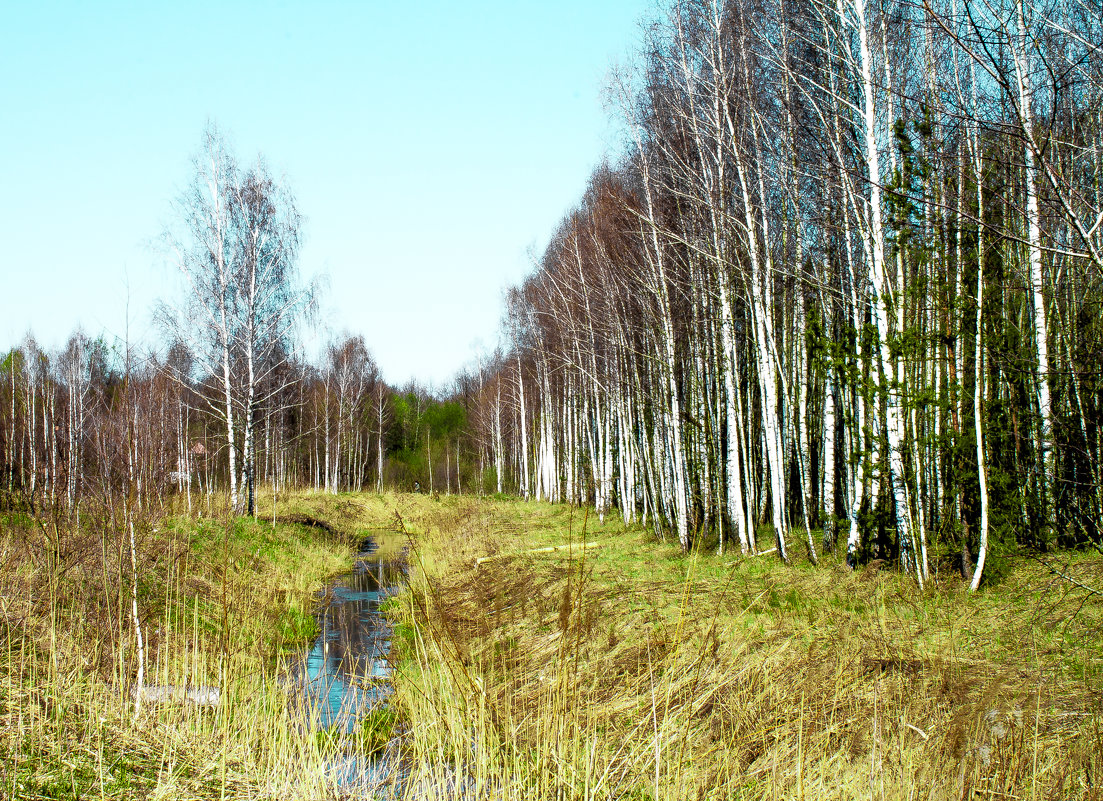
498	454
526	486
882	293
11	439
828	472
761	299
735	500
978	366
32	446
673	407
978	395
429	457
1046	473
379	441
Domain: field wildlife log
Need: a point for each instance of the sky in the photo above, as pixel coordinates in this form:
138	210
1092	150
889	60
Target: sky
432	149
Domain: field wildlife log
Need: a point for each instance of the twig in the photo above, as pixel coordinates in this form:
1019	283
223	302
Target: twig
1070	579
918	731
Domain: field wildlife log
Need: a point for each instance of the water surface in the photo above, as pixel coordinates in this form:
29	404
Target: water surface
345	674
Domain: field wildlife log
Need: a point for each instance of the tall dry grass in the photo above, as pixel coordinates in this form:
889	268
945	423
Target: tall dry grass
628	671
633	672
220	599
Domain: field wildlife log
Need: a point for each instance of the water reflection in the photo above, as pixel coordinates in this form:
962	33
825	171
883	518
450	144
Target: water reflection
346	671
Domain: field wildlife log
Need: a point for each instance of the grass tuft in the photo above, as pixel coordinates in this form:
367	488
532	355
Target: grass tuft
221	600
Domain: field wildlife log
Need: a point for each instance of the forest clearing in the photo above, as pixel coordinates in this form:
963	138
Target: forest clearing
623	669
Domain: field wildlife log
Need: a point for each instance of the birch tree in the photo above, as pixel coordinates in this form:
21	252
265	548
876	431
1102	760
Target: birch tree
236	248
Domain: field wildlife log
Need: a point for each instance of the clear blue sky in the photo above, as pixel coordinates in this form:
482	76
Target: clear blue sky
430	146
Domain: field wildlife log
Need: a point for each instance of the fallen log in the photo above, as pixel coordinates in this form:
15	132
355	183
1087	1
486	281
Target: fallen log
174	694
551	548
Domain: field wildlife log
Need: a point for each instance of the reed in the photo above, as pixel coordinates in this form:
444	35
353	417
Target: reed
221	602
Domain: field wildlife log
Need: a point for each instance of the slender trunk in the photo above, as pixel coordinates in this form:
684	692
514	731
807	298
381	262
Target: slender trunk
11	440
231	445
32	446
828	502
248	468
498	454
882	296
526	487
978	394
1046	472
673	406
379	441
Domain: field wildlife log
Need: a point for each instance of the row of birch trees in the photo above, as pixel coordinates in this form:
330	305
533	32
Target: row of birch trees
843	291
77	423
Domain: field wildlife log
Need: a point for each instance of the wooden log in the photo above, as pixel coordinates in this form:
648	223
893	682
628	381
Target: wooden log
549	549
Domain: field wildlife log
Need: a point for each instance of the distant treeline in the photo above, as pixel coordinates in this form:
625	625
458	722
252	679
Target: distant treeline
227	401
80	420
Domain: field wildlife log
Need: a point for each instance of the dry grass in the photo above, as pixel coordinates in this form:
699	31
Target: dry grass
219	602
628	672
635	672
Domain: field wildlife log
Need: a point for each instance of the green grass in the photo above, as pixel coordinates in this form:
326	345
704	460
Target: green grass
639	672
376	729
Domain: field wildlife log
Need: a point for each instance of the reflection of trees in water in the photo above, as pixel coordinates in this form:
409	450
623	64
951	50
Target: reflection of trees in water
350	623
353	637
353	630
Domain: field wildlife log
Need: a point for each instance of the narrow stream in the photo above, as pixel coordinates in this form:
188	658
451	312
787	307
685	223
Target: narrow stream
345	675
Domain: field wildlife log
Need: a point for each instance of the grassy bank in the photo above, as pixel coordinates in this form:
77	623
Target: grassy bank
631	671
623	670
219	599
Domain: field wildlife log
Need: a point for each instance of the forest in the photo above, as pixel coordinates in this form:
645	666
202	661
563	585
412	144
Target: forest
848	281
784	476
843	288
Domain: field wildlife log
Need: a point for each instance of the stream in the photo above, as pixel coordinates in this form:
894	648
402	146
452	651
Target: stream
345	674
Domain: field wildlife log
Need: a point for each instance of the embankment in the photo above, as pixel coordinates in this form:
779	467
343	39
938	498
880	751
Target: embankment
219	600
628	670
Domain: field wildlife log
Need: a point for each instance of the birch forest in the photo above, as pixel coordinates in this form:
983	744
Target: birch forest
840	292
843	291
782	476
